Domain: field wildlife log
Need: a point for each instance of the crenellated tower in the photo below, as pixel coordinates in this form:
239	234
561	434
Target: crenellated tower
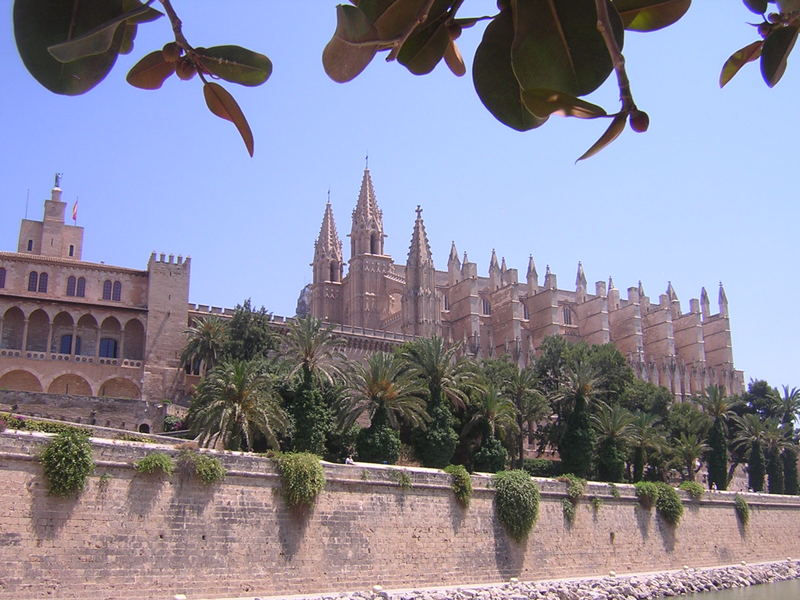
328	265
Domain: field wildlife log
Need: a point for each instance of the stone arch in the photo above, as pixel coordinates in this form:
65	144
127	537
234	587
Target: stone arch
119	387
70	383
38	331
13	329
87	332
110	337
134	340
144	428
63	328
20	380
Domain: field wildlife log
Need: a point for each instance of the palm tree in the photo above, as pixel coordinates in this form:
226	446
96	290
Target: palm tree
235	401
447	380
386	391
613	426
577	443
644	438
720	409
777	440
493	413
787	405
205	343
530	403
788	409
688	449
750	439
313	350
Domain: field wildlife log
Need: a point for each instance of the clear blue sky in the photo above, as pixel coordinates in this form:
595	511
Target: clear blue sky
706	195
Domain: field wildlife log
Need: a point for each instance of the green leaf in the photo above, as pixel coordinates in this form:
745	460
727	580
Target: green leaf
616	127
236	64
66	20
738	59
650	15
757	6
544	103
557	46
494	79
775	53
397	18
150	72
96	41
425	47
342	58
222	104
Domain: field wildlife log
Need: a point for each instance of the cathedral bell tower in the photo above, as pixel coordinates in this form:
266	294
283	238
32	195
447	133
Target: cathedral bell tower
421	314
326	285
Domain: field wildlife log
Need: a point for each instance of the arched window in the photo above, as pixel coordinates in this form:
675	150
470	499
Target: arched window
525	312
487	307
65	345
30	245
72	250
43	282
107	289
80	292
567	316
70	286
446	302
2	277
108	348
33	281
117	293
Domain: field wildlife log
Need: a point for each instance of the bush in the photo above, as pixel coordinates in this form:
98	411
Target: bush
669	504
380	445
155	462
435	445
207	469
568	508
694	489
516	502
541	467
132	437
27	424
302	477
461	483
613	490
402	479
742	509
67	462
646	492
575	486
596	503
491	457
173	423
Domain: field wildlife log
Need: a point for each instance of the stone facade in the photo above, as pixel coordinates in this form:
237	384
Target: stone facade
148	537
72	327
499	315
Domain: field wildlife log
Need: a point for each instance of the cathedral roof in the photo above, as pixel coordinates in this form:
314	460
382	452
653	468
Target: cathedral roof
328	244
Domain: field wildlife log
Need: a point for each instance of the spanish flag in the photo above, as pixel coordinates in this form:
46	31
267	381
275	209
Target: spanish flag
75	212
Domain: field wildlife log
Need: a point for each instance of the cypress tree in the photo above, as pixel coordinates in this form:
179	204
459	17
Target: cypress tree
790	472
576	445
775	472
755	468
718	456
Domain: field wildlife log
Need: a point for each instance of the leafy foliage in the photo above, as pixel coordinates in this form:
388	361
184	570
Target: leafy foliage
67	462
613	490
694	489
402	479
742	509
541	467
155	462
461	483
208	469
646	492
378	445
31	424
302	477
490	457
669	504
576	486
435	446
516	502
568	509
596	503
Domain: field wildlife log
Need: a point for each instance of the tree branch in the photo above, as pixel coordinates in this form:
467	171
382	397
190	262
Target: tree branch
617	59
177	26
422	15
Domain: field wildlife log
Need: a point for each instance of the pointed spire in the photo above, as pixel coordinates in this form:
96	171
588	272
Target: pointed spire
723	299
641	289
610	284
419	252
466	259
503	267
580	278
453	259
328	244
366	212
493	261
671	292
703	296
532	274
549	279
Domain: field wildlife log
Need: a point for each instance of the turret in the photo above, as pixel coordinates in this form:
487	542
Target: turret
328	262
532	277
705	307
420	309
723	301
674	303
580	283
550	282
494	272
469	270
453	265
366	234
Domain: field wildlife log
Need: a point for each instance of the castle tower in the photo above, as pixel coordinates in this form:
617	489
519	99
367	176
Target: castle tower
421	315
51	236
366	300
327	269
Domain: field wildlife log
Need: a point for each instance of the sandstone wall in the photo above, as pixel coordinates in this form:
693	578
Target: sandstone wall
141	537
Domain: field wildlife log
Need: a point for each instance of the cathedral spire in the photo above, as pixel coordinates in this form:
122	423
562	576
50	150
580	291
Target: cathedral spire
453	265
532	269
366	233
328	244
453	255
610	283
723	301
419	252
580	277
493	261
671	292
503	267
704	303
641	289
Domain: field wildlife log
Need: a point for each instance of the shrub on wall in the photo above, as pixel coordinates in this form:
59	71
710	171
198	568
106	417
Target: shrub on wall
694	489
302	477
516	502
157	462
568	508
613	490
28	424
669	504
541	467
207	469
461	483
576	486
742	509
646	492
67	462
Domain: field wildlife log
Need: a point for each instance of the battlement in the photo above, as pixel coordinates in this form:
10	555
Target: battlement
171	259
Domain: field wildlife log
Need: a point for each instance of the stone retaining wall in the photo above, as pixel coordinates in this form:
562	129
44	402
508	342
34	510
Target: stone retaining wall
145	537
